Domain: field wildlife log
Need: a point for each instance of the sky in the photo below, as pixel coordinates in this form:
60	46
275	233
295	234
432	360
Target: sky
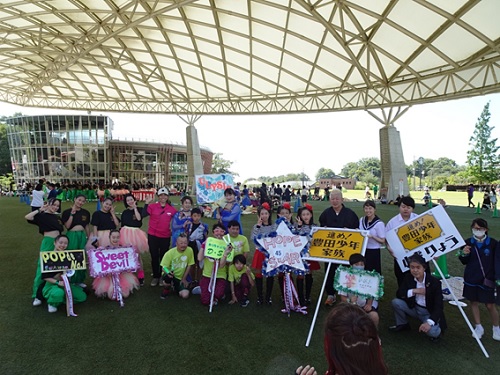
273	145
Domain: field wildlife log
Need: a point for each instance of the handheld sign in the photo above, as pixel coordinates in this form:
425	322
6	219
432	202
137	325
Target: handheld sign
430	234
336	245
51	261
215	248
283	250
210	187
365	284
103	262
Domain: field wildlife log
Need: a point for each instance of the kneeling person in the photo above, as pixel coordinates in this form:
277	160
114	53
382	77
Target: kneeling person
176	265
419	296
241	280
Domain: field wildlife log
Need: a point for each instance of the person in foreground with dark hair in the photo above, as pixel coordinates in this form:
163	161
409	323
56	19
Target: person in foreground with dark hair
352	345
419	296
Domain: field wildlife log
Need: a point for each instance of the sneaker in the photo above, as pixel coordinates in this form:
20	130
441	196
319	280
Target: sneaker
164	293
141	282
269	302
259	302
496	333
308	301
82	285
479	331
245	302
51	309
196	290
330	300
36	302
154	282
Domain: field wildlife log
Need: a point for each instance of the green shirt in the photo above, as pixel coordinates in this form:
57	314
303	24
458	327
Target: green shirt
235	276
240	244
177	262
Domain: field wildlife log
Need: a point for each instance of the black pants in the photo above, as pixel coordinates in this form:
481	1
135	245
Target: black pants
330	290
157	248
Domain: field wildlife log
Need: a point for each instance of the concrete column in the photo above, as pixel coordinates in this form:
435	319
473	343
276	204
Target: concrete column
392	164
194	163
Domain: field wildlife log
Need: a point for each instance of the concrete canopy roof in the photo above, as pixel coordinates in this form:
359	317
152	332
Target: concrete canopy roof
246	56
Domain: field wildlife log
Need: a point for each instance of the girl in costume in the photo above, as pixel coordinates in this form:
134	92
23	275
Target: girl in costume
131	233
478	255
50	226
230	209
284	211
181	218
264	226
103	286
305	222
77	222
53	291
103	222
376	236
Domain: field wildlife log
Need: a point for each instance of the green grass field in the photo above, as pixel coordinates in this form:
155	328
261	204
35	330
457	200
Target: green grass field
177	336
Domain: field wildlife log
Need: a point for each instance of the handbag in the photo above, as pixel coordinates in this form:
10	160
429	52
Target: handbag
486	282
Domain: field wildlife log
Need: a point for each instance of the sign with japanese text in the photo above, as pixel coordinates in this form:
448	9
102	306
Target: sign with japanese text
430	234
103	262
366	284
51	261
210	187
215	248
336	245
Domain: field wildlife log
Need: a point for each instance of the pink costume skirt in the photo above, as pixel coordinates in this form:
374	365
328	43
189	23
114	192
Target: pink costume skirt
135	237
103	286
102	238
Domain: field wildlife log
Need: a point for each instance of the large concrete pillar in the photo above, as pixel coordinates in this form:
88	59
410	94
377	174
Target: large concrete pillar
394	180
194	163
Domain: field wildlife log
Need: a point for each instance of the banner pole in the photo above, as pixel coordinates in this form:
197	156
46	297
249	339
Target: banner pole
213	287
461	310
318	305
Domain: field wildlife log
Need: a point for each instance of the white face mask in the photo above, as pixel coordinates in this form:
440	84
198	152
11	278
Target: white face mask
478	233
358	267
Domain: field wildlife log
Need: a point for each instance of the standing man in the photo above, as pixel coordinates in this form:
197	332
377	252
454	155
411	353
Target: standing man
470	195
406	206
336	216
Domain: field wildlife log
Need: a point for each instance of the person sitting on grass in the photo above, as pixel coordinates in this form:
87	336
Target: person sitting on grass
357	261
419	296
351	344
241	280
176	266
53	291
208	274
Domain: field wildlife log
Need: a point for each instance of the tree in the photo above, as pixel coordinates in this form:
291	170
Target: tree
362	168
5	163
221	165
324	173
482	157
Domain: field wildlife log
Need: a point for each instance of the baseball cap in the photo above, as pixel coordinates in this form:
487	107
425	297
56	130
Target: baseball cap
163	190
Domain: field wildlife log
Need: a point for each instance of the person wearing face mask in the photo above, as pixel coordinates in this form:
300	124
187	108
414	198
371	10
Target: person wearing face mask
478	255
370	306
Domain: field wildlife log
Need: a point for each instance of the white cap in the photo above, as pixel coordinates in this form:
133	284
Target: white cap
163	190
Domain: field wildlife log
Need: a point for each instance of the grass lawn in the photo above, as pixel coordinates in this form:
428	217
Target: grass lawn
177	336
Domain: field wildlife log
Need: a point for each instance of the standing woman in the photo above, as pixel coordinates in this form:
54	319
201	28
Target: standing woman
478	255
77	221
180	219
159	232
231	209
103	222
376	236
264	226
50	226
37	197
131	233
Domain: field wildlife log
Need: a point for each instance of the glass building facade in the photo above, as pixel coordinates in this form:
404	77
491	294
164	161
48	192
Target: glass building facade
79	149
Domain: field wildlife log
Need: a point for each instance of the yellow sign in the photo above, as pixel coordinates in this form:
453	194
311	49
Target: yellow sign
215	248
419	231
336	244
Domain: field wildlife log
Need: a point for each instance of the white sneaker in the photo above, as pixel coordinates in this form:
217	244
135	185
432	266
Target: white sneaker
52	309
196	290
154	282
479	331
496	333
36	302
